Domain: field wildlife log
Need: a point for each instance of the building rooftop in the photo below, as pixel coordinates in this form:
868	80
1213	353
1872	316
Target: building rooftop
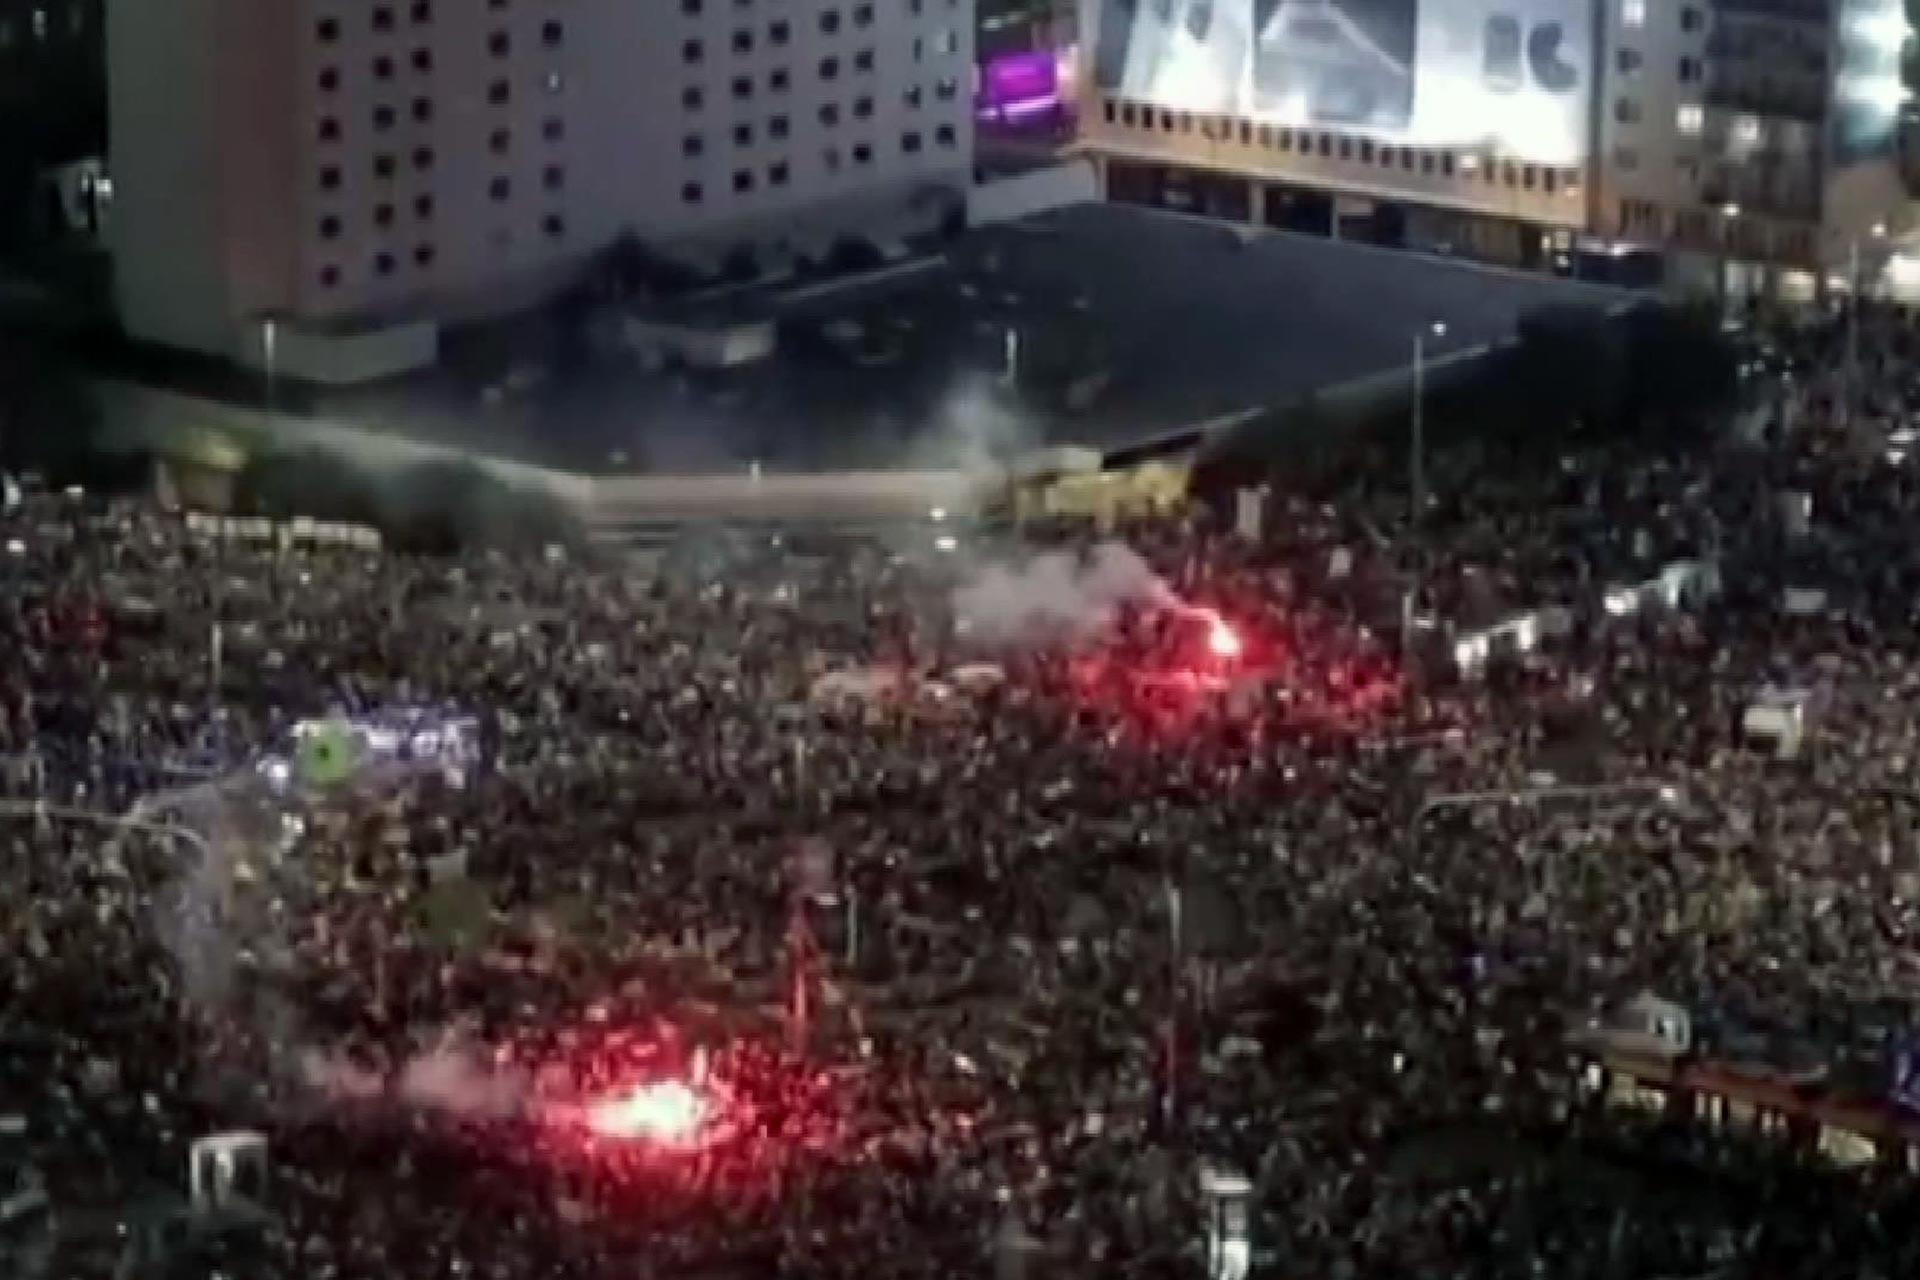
1123	325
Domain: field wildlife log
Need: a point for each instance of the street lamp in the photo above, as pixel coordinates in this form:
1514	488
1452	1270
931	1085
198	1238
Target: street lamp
1849	400
1729	214
1416	472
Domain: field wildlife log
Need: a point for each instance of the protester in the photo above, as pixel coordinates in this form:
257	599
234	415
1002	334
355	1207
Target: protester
971	953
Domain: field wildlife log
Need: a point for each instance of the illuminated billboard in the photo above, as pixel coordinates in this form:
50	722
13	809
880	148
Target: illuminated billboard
1513	74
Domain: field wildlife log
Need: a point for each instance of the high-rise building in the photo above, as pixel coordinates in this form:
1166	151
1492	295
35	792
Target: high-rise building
302	172
1756	137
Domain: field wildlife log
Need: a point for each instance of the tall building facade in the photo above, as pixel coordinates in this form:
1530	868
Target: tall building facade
1757	133
339	166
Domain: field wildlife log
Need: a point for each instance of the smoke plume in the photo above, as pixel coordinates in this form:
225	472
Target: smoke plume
1056	595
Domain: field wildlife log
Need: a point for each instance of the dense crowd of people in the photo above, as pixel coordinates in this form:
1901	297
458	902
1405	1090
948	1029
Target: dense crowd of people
983	967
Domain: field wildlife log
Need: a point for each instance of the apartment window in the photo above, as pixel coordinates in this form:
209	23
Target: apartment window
692	52
328	30
498	93
383	68
1689	70
862	153
777	174
498	141
1627	61
778	80
913	96
691	97
743	135
383	215
690	7
423	207
1626	159
383	18
742	181
862	108
330	227
690	193
499	44
552	82
1746	131
829	114
383	264
383	166
554	225
422	11
553	128
500	189
691	146
910	143
947	42
829	68
777	127
742	88
423	60
1689	19
831	159
829	22
863	60
946	135
1633	13
552	33
423	255
1626	111
863	15
423	109
330	178
1366	150
329	277
383	118
329	129
946	89
1689	119
329	79
780	32
423	158
743	41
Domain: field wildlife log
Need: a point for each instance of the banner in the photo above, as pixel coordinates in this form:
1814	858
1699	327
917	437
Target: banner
1514	74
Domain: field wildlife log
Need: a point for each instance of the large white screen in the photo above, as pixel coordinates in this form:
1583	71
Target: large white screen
1444	73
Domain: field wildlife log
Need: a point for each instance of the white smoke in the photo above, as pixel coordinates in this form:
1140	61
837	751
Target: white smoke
453	1078
1056	595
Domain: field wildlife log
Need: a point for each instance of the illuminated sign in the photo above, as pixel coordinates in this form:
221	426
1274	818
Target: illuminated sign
1515	75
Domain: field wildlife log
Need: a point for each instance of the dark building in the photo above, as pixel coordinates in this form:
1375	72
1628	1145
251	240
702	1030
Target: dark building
53	102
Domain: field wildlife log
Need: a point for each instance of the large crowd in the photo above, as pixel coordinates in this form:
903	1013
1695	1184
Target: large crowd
989	968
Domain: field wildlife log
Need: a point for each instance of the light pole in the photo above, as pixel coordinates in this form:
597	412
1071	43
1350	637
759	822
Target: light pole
1729	214
1417	477
1850	396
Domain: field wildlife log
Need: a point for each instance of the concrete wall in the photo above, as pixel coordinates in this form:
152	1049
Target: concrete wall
1025	194
147	418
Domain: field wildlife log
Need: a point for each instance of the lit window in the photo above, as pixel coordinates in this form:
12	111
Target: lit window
1633	13
1746	131
1690	119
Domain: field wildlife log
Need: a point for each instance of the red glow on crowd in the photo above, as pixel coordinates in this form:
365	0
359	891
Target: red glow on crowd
666	1113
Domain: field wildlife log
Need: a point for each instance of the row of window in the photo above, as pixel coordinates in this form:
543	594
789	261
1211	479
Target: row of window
386	262
832	159
552	129
694	8
1645	219
694	145
1331	146
694	97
